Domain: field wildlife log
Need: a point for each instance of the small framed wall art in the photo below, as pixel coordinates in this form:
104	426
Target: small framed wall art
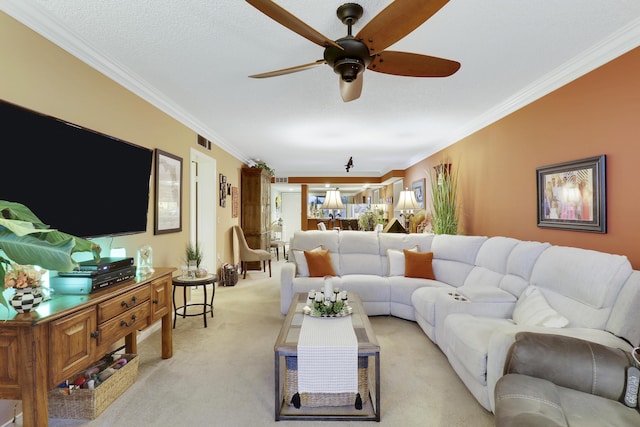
168	200
418	189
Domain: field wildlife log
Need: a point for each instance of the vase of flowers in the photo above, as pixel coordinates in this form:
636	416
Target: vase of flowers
26	281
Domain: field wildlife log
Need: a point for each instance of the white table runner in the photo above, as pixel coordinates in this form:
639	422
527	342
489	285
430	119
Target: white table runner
327	356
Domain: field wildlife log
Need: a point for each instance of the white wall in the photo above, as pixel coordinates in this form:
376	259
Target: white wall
291	213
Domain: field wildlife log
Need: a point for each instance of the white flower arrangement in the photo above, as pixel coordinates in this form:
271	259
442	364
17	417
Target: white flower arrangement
319	305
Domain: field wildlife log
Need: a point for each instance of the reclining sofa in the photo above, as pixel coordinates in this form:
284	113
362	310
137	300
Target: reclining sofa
484	292
554	380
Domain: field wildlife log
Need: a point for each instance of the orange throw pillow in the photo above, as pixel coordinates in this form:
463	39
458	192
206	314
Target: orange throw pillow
319	263
418	265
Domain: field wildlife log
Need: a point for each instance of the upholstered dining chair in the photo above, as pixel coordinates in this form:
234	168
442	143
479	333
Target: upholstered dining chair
250	255
322	226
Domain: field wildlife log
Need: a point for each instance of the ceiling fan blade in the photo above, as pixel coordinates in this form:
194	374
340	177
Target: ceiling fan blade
352	90
293	23
289	70
396	21
412	65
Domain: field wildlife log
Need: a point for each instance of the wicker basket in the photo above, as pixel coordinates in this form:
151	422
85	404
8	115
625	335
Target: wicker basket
314	400
229	275
87	403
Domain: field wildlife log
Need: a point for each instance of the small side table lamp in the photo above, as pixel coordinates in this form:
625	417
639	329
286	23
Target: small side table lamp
406	204
332	200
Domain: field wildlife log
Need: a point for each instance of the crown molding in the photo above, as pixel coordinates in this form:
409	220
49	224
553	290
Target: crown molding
53	30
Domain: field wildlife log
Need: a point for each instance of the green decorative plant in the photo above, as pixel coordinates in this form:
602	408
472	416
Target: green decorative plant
193	253
444	198
369	219
26	240
263	165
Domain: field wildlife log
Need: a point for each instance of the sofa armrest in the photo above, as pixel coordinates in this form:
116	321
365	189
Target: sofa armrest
287	273
528	401
570	362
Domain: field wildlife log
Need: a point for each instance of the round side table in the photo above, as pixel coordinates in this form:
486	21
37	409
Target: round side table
184	283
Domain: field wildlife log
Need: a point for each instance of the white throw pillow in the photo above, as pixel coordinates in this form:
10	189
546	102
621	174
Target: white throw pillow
533	309
396	261
301	261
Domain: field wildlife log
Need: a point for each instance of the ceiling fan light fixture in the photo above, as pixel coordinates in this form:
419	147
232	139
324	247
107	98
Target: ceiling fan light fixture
349	68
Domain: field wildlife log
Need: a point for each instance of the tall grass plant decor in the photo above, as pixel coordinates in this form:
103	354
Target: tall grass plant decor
444	197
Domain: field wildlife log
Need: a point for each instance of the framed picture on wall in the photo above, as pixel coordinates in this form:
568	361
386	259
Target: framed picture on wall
572	195
168	183
234	202
418	189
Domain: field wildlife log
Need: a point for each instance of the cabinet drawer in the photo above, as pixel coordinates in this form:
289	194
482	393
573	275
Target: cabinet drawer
124	324
122	303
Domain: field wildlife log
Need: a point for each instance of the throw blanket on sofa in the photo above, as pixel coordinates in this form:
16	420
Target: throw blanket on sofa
327	356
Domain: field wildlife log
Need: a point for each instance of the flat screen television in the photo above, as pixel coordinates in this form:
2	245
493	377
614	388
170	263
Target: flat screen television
74	179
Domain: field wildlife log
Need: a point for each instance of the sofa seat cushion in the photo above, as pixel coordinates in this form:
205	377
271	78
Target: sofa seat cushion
486	294
424	299
306	284
467	337
402	288
369	287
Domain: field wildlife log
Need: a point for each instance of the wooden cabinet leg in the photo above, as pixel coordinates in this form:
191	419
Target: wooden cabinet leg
33	375
167	337
131	343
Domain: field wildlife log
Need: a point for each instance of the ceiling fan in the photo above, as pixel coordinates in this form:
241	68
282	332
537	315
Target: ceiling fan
349	56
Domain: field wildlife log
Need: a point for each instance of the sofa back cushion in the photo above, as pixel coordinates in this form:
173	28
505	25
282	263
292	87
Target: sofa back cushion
494	253
581	284
625	314
359	253
520	265
491	263
454	257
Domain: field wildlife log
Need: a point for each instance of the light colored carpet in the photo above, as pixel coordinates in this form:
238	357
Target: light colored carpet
223	375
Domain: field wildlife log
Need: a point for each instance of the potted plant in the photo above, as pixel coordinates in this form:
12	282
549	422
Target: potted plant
444	197
263	165
25	240
193	258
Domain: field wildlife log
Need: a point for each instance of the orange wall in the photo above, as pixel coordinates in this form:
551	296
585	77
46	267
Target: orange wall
597	114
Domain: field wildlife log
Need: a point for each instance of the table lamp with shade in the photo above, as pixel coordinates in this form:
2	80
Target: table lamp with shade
332	200
406	204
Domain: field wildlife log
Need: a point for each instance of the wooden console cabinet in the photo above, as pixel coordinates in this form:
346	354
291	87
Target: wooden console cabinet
67	334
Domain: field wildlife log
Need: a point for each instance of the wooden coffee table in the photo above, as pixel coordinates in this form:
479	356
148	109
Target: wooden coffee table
286	346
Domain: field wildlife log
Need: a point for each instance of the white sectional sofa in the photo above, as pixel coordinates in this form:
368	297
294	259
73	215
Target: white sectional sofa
468	310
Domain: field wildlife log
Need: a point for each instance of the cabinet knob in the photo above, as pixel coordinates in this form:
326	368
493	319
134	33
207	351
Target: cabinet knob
155	301
95	334
133	302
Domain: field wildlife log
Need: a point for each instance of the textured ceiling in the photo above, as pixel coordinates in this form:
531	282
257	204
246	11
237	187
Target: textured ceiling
192	59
